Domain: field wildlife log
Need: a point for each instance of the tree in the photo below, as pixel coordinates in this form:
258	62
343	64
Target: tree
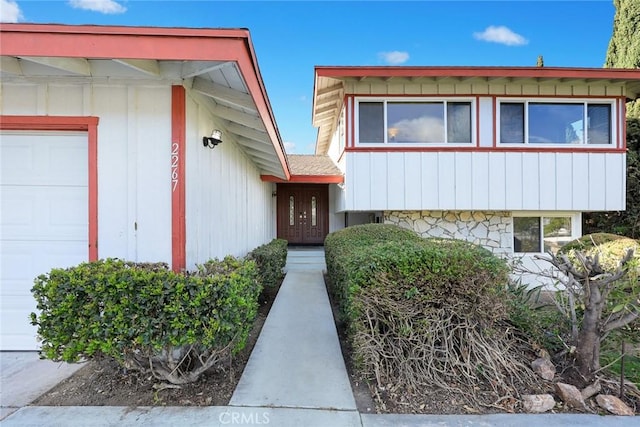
588	289
624	46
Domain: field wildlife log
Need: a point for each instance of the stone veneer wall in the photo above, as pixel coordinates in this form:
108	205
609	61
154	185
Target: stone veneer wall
491	229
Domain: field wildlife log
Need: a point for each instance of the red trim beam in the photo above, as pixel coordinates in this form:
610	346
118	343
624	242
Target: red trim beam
305	179
178	205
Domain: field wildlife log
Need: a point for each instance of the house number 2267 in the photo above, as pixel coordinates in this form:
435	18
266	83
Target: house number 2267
174	166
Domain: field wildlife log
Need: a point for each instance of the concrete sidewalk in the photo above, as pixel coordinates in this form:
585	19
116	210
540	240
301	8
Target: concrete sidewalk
24	378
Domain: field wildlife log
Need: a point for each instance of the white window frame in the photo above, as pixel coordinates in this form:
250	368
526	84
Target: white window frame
584	101
387	144
576	226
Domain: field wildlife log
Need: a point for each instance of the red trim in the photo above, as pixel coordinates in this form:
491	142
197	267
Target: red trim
495	122
70	123
496	72
471	95
478	121
305	179
501	149
178	217
177	44
352	143
86	41
623	116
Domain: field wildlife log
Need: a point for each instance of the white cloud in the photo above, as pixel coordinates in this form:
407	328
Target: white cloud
102	6
290	147
10	11
394	58
502	35
421	129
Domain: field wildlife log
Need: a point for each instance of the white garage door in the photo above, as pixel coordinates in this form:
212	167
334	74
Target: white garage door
43	220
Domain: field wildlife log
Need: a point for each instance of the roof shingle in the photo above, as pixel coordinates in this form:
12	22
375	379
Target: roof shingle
303	164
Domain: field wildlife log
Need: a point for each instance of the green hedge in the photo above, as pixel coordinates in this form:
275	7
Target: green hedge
342	245
271	259
431	271
423	312
146	316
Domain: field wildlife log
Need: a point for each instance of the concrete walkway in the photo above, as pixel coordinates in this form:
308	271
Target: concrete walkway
295	377
297	361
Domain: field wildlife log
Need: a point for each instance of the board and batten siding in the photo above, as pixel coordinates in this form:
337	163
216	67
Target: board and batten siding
229	210
495	87
511	181
134	152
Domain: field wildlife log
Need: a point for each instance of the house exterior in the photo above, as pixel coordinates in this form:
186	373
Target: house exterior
102	133
505	157
159	144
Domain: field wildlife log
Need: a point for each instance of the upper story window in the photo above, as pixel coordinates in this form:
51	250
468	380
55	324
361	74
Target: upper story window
555	122
415	121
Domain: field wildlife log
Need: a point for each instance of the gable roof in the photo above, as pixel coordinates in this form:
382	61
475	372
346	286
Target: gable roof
218	66
330	81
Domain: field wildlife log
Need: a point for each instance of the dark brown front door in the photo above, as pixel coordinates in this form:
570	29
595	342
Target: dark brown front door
303	213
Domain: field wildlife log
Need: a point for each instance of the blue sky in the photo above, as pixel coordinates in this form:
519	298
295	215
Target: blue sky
291	37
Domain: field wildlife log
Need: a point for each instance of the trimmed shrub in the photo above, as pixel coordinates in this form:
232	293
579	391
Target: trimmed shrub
425	312
342	245
147	317
270	259
589	241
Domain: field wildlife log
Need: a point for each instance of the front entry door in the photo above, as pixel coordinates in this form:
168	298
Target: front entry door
303	213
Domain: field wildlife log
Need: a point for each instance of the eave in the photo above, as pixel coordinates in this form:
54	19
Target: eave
330	83
217	65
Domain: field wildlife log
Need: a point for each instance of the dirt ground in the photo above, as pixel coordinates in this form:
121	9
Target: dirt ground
104	383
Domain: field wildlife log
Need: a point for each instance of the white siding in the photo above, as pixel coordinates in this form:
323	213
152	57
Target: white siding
229	210
485	181
134	143
485	122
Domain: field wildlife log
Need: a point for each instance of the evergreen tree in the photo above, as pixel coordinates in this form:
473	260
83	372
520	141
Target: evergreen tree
624	46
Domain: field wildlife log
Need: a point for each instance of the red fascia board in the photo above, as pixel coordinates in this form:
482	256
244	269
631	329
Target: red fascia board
305	179
496	149
96	42
522	72
258	91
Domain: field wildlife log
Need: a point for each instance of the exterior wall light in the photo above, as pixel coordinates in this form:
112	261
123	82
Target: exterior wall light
213	140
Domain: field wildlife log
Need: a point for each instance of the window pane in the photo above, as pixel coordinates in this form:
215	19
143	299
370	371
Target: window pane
511	123
371	122
459	122
599	121
314	219
556	123
557	233
292	213
415	121
526	234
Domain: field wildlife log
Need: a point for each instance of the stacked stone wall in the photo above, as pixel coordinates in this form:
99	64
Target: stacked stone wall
491	229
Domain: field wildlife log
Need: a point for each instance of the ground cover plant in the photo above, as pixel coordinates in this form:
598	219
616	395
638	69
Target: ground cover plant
427	317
